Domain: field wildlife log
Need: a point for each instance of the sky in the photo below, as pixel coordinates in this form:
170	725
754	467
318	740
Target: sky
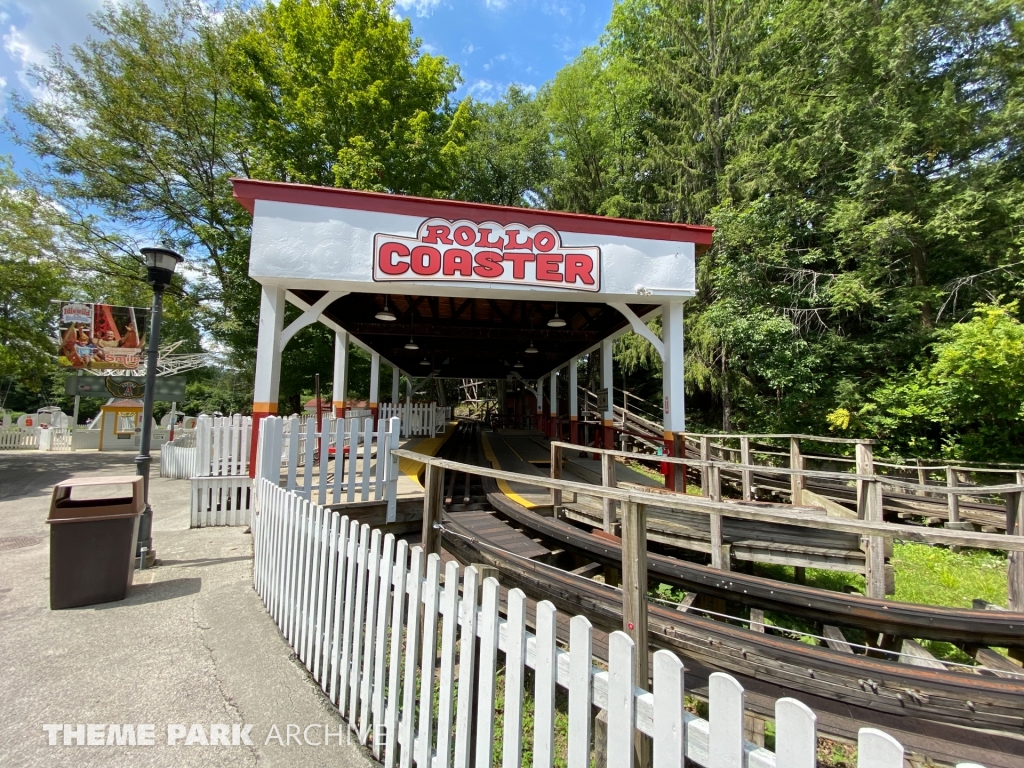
494	42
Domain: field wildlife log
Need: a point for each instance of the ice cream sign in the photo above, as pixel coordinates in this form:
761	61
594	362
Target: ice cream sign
463	251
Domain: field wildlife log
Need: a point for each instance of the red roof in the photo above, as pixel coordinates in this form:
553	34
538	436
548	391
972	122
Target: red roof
247	191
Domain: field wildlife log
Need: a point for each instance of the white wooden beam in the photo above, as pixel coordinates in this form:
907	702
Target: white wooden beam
309	316
640	327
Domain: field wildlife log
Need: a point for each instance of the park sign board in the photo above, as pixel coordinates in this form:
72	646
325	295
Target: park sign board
167	389
101	337
465	252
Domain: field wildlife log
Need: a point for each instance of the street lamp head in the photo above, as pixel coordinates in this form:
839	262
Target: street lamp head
160	265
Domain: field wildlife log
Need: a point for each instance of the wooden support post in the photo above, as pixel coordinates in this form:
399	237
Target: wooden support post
757	620
954	500
796	461
748	493
556	474
719	552
865	466
705	455
875	560
922	478
601	739
634	605
1015	564
433	499
753	729
608	481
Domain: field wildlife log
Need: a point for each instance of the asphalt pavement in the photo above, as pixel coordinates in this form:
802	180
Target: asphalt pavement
190	661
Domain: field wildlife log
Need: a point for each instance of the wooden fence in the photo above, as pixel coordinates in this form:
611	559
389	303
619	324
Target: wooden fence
636	500
347	461
371	618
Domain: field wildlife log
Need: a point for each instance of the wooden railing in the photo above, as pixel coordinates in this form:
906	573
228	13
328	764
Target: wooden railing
408	655
634	503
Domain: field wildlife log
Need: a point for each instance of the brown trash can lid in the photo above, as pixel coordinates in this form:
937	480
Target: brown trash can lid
64	508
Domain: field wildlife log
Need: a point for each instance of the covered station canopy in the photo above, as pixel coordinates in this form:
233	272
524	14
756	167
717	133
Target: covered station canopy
471	284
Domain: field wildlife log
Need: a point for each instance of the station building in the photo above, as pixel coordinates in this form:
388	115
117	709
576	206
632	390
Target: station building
465	290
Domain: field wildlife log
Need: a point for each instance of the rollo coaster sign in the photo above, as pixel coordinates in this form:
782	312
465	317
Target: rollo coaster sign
464	251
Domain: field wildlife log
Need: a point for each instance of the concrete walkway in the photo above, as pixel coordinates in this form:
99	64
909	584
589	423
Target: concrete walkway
192	645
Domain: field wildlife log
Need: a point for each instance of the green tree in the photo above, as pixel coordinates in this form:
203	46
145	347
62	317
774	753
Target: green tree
507	158
146	123
339	94
966	401
31	275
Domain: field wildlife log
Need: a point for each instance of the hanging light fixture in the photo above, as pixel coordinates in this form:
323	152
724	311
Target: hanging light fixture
424	361
531	350
519	364
412	345
556	321
386	314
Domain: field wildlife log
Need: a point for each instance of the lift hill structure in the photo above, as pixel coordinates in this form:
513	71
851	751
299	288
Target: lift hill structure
464	290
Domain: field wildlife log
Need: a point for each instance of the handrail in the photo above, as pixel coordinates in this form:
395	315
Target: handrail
737	510
960	490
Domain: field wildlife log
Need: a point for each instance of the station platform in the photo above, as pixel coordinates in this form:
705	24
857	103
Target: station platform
528	452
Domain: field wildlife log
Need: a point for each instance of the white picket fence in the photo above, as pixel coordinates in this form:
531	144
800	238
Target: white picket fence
55	439
418	419
177	462
225	500
345	462
19	438
218	446
222	445
365	619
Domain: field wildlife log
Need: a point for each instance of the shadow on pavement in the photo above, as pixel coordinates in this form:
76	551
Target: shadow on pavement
203	561
156	592
28	473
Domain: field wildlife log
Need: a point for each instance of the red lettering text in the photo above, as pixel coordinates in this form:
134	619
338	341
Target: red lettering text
425	260
387	259
519	263
485	241
488	264
465	235
515	244
437	234
547	267
458	260
544	241
579	266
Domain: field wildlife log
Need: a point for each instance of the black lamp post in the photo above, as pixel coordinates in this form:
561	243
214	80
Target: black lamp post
160	265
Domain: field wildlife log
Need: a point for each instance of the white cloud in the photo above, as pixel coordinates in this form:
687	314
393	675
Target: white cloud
492	90
556	8
469	48
496	5
421	7
24	55
483	89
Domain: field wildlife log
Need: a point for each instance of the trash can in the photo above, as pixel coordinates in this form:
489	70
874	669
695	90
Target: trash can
93	540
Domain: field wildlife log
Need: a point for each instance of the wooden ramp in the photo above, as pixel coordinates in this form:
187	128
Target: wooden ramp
498	533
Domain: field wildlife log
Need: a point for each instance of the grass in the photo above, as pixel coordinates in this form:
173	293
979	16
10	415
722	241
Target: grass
645	469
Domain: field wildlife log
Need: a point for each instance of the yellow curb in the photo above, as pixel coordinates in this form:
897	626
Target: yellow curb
503	485
430	447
